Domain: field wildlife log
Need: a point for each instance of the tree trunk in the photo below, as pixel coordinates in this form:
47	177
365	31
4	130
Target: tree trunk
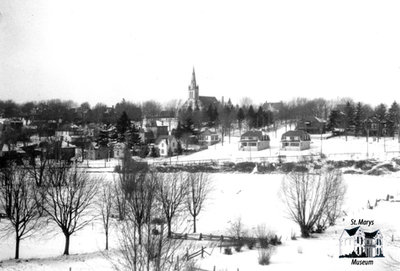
107	239
66	249
194	224
169	228
17	241
305	231
140	234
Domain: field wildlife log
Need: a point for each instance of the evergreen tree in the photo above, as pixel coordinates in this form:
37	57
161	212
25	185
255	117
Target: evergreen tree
260	118
334	119
251	117
380	114
240	117
393	118
358	119
123	125
154	152
103	138
179	149
178	131
134	138
348	115
197	117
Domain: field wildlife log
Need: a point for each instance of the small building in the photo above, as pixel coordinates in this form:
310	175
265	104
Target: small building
96	152
373	127
166	144
312	125
359	243
209	137
119	150
295	140
254	141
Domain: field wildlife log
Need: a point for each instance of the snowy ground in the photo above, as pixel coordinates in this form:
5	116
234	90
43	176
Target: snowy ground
254	198
336	148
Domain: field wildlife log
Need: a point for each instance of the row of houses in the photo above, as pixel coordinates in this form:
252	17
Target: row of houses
371	126
258	140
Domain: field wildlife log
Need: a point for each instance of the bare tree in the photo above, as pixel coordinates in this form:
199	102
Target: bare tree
311	197
18	201
171	193
237	228
106	204
67	197
119	198
198	190
157	251
37	169
138	189
151	108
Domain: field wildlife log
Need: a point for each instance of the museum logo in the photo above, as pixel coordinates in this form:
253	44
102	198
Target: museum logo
359	243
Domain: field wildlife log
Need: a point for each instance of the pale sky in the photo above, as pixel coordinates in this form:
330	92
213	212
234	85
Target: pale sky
106	50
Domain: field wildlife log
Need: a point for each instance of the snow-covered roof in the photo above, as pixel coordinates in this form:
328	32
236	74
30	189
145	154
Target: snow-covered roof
300	133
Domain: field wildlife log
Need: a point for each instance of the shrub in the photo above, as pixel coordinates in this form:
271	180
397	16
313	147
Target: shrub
264	255
288	167
154	152
227	251
170	153
300	168
275	240
262	236
238	246
245	166
266	167
263	242
143	151
364	164
351	171
293	236
117	168
179	149
250	242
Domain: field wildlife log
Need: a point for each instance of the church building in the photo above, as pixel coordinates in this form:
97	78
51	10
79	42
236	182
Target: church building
198	102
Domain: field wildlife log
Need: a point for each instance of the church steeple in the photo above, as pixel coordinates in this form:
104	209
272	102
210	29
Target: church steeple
193	88
193	83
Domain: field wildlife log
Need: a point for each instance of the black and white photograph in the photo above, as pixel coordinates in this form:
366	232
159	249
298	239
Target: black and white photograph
190	135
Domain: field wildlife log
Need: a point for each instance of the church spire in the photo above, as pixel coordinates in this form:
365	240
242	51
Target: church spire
193	83
193	88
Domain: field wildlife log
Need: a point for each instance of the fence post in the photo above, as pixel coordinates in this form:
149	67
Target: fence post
187	254
202	252
214	268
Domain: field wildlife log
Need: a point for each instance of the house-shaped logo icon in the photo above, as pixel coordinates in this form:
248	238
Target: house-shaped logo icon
357	243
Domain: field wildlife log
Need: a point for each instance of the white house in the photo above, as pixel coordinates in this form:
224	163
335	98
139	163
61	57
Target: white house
208	137
363	244
165	143
254	141
295	140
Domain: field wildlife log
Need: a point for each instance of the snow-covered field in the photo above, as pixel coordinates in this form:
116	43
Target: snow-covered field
336	148
254	198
